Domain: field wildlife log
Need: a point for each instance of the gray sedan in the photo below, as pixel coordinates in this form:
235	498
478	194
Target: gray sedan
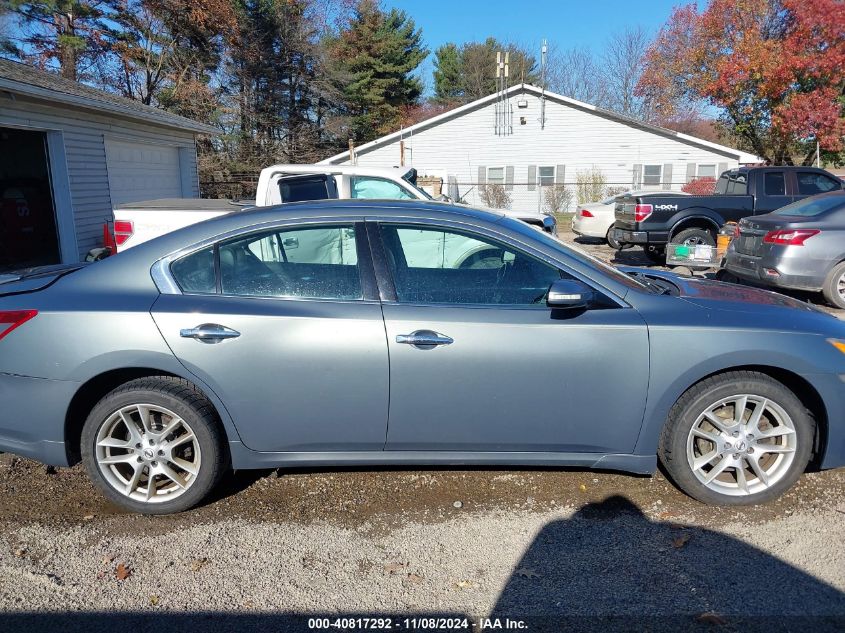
799	246
380	333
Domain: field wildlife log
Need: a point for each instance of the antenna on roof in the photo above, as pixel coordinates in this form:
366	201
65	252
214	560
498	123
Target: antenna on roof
543	50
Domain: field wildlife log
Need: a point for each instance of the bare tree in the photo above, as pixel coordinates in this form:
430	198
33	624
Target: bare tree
623	63
494	196
557	198
573	72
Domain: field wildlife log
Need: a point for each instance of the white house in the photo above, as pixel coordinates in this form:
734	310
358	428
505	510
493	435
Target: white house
69	153
530	139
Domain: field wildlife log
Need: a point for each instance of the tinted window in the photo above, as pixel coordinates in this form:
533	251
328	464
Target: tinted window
194	273
812	206
774	183
317	262
737	185
722	185
303	189
433	265
377	189
810	183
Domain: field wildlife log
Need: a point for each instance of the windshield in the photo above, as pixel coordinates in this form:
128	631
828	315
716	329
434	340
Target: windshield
811	207
407	178
574	251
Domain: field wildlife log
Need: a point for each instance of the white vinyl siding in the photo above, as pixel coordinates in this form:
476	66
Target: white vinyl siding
465	145
84	134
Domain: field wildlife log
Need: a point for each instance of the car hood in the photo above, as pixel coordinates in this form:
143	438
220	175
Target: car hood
508	212
719	295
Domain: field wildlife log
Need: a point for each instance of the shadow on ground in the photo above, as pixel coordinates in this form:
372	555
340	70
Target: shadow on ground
608	568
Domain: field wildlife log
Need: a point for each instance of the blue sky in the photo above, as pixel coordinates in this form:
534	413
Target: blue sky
566	23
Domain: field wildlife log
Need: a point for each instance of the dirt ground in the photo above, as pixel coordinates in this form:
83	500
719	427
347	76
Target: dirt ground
554	549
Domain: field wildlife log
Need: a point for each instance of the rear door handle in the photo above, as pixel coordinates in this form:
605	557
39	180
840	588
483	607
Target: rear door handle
424	339
209	333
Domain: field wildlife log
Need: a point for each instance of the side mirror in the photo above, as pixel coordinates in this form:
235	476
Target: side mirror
570	294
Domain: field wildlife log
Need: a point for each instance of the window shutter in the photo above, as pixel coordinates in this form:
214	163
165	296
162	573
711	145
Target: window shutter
532	177
638	175
560	174
482	175
723	167
690	172
509	178
667	175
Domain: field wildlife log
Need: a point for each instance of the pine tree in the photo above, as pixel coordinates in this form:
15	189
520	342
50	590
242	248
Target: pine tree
448	80
376	55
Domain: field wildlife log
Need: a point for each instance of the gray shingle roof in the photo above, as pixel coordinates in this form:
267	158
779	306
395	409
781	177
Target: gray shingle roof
24	79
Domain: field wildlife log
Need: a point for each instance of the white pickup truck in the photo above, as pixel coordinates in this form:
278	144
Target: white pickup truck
138	222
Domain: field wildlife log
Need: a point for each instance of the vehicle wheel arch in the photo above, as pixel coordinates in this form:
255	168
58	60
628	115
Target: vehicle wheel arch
700	220
98	386
805	391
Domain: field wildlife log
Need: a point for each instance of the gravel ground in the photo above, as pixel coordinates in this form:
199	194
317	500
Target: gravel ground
553	549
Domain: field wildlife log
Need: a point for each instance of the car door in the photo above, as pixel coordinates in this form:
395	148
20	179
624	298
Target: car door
284	324
479	363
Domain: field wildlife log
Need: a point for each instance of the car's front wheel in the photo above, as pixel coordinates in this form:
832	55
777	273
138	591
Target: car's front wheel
154	445
737	438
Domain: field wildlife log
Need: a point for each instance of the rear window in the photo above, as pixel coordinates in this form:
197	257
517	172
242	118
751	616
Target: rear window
722	185
811	207
303	189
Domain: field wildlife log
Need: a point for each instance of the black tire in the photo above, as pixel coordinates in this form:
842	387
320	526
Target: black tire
830	290
188	403
672	446
611	241
693	237
656	255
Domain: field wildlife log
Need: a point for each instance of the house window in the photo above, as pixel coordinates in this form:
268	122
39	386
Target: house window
707	171
496	175
547	176
651	175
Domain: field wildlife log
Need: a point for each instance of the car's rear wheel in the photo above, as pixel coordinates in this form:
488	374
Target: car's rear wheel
154	445
611	240
834	286
738	438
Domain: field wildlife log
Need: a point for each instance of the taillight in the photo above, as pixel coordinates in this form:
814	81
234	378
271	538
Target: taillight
123	230
586	214
790	237
10	319
642	211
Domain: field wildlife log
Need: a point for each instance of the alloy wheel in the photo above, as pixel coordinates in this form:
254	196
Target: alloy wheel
840	286
147	453
741	445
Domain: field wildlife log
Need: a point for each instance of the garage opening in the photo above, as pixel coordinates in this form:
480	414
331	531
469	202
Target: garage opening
28	234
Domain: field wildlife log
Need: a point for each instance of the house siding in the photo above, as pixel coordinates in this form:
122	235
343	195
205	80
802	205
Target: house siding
84	133
573	138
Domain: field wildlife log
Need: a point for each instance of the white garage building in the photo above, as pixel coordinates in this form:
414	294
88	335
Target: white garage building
529	139
69	153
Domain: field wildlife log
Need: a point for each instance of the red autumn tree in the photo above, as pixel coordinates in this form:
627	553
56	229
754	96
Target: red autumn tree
773	68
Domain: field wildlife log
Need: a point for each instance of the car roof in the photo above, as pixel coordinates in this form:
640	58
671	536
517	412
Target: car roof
358	170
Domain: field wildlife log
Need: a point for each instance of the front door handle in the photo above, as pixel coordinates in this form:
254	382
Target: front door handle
424	339
209	333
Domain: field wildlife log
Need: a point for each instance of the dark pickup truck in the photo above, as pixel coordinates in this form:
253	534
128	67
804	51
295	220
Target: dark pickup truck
654	221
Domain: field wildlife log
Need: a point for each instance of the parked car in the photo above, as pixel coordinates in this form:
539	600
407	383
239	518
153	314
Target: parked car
596	219
695	220
224	345
800	246
137	222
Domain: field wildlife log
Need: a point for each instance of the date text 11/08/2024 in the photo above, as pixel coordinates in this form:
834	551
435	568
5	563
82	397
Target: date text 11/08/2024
416	624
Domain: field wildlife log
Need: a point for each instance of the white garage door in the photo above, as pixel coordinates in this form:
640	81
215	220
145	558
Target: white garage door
140	171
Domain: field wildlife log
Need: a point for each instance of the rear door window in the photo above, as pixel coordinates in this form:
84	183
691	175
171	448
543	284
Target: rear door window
377	189
810	183
774	183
